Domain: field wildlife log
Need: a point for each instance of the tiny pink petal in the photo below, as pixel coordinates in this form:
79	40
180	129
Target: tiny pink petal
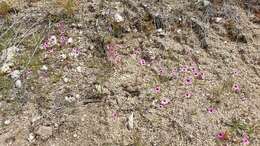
157	89
142	62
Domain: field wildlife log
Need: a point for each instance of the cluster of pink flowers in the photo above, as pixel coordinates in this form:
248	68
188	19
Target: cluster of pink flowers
223	136
236	88
112	53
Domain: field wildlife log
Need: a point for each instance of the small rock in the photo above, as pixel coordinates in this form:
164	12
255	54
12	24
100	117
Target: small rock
31	137
218	19
179	31
66	80
75	135
44	132
44	67
7	122
118	18
77	96
7	59
70	98
18	84
79	69
130	123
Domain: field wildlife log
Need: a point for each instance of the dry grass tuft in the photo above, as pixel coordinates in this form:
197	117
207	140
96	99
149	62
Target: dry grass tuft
69	6
5	8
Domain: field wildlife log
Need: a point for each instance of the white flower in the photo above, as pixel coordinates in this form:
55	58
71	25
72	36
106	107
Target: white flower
52	40
70	40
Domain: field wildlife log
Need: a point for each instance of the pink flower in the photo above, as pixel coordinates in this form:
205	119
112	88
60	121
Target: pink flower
165	101
114	115
45	45
188	81
184	69
76	51
236	72
236	88
196	74
245	140
142	62
220	136
157	89
211	110
188	94
193	69
63	40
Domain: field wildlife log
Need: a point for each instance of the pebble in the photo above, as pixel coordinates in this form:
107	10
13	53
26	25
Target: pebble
66	80
130	123
31	137
79	69
118	18
7	122
44	132
44	67
18	84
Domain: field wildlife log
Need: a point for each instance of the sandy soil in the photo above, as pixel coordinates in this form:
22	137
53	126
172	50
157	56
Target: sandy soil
130	73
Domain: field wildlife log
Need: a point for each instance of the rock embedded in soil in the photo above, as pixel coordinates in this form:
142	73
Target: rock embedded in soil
7	59
44	132
18	84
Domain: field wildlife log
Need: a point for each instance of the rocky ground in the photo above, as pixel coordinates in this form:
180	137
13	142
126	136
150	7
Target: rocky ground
130	72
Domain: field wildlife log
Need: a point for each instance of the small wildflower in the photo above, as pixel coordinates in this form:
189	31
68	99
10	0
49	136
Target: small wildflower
188	81
220	136
211	110
188	94
114	115
45	45
70	41
76	52
245	140
142	62
157	89
193	69
52	40
63	40
160	106
236	72
196	74
184	69
236	88
165	101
